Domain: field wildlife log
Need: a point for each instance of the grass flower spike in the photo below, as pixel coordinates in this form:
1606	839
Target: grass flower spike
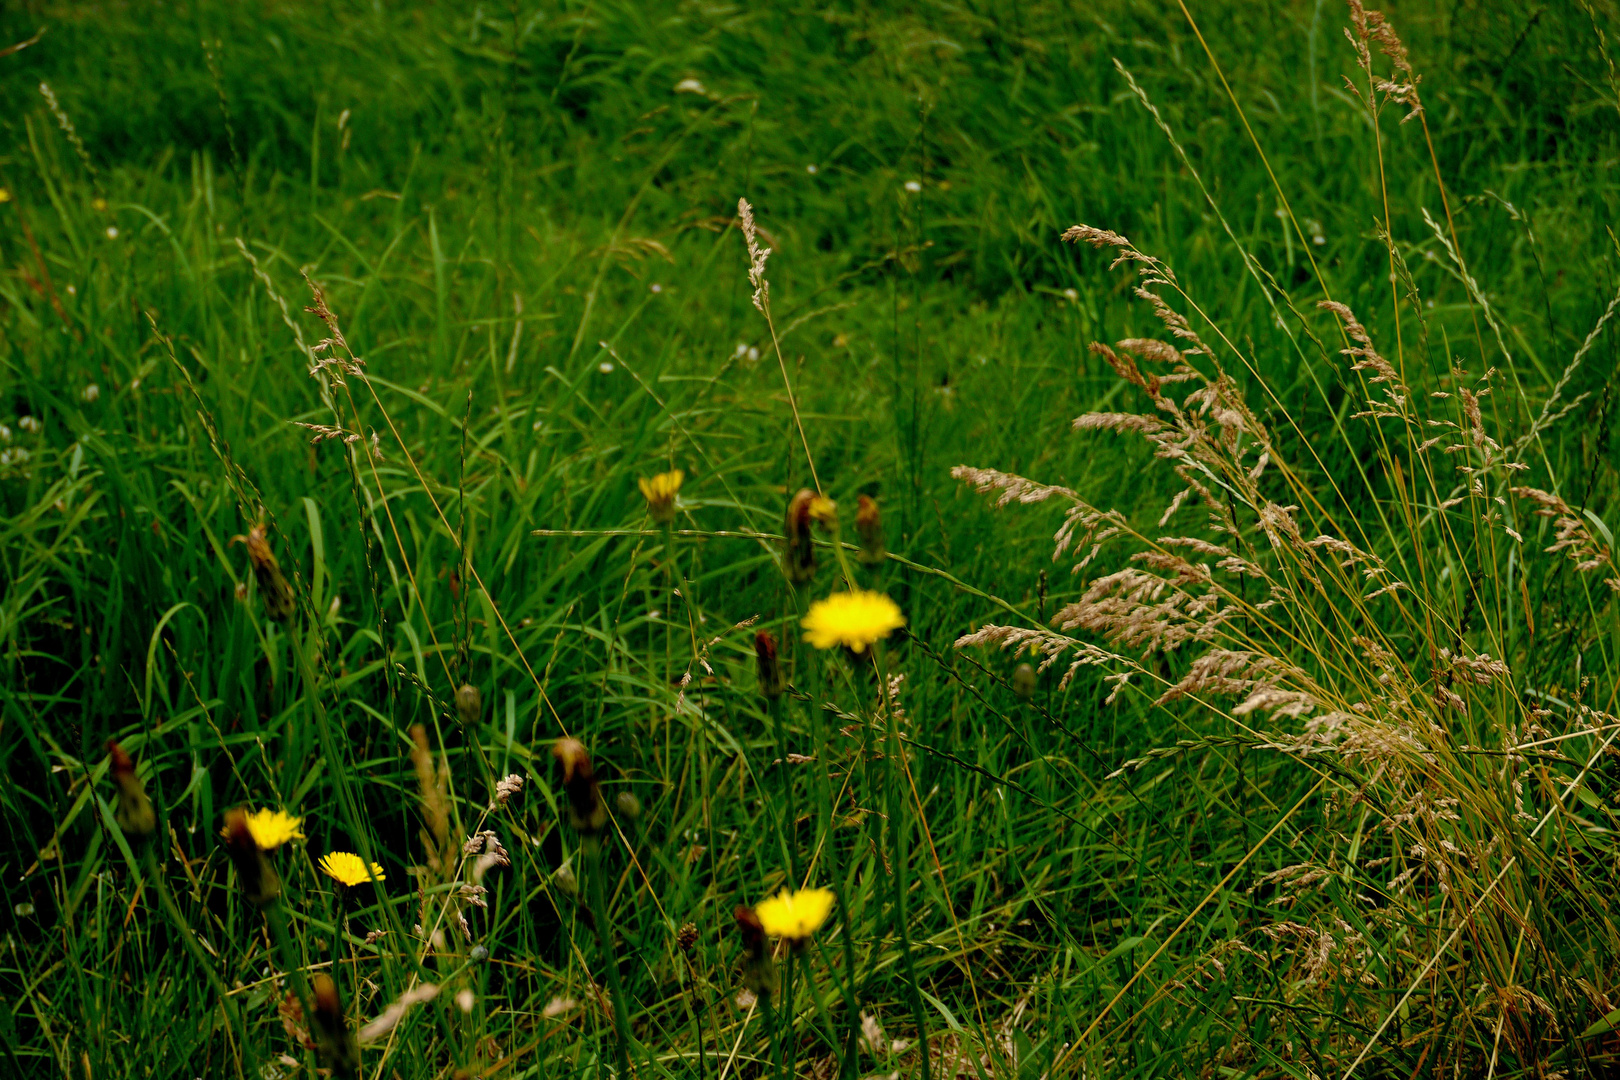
795	915
271	828
660	492
346	868
855	620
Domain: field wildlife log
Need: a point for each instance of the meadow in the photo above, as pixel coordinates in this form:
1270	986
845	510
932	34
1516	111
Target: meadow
1107	507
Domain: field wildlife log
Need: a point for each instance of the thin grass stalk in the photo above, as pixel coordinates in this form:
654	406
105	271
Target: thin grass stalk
898	820
189	938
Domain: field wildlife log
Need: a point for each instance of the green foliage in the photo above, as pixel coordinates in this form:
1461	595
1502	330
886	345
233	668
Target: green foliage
524	221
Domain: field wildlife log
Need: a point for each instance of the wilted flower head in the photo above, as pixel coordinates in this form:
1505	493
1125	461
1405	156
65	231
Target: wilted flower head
134	814
759	974
278	595
869	526
855	620
333	1041
660	492
579	781
799	558
347	868
770	664
260	884
795	915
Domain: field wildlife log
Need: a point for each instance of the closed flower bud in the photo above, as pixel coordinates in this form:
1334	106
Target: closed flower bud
628	806
134	814
759	974
799	556
585	808
333	1042
566	881
870	528
278	595
469	703
770	665
260	884
1023	681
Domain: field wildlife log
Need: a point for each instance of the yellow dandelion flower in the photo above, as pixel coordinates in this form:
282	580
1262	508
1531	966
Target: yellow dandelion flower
347	868
824	512
795	915
854	619
660	492
272	828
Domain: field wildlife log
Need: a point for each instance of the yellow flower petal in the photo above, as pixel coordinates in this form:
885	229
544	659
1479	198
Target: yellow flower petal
795	915
660	492
853	619
272	828
349	869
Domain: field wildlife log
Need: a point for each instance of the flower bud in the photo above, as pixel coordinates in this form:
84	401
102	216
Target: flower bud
628	806
134	814
870	528
469	703
1023	681
770	665
566	880
333	1042
799	555
260	884
759	974
278	595
586	811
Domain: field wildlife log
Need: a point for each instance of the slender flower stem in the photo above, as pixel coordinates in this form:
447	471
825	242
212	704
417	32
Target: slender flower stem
790	834
790	1048
604	932
897	846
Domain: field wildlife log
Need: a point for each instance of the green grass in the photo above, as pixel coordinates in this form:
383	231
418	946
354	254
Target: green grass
528	235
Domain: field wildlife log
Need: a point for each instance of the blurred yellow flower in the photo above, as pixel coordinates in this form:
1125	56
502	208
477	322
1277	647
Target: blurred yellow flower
660	492
99	205
854	619
824	512
347	868
795	915
272	828
5	195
